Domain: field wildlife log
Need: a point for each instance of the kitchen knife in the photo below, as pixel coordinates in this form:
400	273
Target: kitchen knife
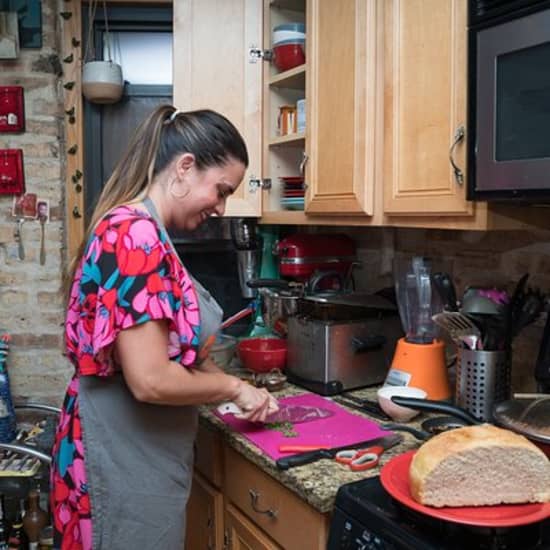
287	462
295	414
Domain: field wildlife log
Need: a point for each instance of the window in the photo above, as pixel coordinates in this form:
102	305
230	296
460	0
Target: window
141	42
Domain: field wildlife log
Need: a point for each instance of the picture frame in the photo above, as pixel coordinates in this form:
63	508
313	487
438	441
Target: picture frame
9	35
25	206
29	19
43	210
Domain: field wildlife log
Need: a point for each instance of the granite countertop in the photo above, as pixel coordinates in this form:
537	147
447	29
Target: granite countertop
316	483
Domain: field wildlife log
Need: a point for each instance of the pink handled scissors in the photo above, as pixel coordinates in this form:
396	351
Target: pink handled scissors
360	459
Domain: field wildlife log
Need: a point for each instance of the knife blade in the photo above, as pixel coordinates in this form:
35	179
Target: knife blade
386	441
295	414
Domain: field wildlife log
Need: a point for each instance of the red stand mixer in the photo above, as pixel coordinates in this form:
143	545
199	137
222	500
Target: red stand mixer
308	264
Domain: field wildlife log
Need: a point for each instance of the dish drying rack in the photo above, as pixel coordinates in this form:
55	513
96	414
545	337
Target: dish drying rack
31	447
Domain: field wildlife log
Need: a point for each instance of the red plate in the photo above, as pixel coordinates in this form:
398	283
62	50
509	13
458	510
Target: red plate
395	479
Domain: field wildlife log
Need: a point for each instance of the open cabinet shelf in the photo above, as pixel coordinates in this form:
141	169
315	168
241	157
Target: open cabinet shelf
282	154
293	78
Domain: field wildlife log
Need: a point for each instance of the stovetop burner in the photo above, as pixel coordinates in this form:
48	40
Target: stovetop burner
366	517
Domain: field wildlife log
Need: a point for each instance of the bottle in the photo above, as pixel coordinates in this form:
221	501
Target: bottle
17	539
35	519
3	526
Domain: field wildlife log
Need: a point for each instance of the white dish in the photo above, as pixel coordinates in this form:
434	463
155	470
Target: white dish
397	412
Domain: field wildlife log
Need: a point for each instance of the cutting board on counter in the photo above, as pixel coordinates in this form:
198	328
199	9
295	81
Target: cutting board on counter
342	428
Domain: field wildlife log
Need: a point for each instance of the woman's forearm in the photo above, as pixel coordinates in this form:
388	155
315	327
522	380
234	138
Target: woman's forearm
174	384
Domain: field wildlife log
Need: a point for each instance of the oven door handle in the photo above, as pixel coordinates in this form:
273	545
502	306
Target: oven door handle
369	343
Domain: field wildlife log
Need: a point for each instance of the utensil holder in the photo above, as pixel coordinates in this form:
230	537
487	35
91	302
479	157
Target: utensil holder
483	378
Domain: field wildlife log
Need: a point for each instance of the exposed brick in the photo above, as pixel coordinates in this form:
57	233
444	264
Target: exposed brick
49	299
10	298
41	341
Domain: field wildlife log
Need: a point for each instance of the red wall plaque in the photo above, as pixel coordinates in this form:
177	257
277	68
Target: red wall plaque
12	109
12	176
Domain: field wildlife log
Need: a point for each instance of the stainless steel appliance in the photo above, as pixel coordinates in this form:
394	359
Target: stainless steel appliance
508	96
366	517
329	356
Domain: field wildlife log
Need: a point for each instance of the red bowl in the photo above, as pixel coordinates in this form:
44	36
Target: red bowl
262	354
288	56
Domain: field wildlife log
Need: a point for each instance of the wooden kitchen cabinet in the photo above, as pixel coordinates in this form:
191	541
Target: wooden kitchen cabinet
342	102
425	107
204	516
212	70
250	509
385	89
242	534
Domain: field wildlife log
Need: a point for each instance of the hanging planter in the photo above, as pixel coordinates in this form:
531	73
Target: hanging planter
102	80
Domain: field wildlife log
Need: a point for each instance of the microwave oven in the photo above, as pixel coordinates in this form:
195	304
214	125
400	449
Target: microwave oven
509	100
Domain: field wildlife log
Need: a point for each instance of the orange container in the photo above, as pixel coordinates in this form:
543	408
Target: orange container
421	366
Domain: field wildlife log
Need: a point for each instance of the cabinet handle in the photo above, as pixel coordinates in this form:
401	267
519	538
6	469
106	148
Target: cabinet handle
458	137
254	497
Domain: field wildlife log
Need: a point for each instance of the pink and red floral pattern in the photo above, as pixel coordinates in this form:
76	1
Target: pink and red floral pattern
128	275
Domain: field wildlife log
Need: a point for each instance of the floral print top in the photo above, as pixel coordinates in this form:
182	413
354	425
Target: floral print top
129	274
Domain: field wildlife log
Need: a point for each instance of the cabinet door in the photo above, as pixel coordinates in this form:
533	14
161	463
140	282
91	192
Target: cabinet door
212	70
341	106
425	105
242	534
204	517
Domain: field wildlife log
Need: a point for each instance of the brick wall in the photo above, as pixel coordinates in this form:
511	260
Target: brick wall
473	258
31	303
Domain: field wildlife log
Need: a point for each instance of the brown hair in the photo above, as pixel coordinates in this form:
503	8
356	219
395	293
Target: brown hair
163	135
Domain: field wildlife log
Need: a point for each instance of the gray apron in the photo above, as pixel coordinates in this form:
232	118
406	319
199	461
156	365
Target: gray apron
139	456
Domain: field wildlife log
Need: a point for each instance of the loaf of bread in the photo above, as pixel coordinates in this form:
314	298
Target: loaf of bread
479	466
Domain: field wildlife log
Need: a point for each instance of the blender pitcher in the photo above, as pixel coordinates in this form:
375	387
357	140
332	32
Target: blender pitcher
419	359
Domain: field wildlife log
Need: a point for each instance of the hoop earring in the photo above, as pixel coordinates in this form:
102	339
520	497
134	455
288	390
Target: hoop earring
176	195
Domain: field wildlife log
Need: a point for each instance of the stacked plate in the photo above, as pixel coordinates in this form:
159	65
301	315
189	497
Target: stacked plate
292	192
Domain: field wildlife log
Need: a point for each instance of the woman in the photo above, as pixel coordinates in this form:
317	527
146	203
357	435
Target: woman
122	464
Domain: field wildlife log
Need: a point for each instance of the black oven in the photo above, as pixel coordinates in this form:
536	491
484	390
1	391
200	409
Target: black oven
509	100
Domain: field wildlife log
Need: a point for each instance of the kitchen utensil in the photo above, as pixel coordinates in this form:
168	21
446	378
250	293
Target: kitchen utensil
301	448
386	442
446	289
542	366
302	254
223	350
342	428
523	418
475	303
295	414
421	366
372	408
359	460
42	220
439	424
430	427
395	479
483	378
514	308
288	56
457	325
401	414
18	234
262	354
211	340
279	301
395	426
332	356
419	358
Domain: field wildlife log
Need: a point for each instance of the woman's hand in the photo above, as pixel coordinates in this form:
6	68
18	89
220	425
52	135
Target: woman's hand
255	403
